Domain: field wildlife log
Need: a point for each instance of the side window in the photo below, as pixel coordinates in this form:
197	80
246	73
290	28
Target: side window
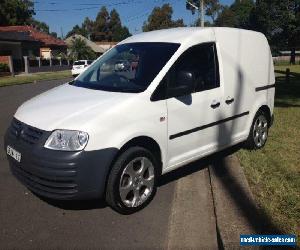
201	61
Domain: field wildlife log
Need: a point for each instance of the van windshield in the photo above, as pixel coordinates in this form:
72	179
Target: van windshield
127	67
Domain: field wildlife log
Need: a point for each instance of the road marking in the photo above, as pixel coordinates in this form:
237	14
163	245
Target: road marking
192	221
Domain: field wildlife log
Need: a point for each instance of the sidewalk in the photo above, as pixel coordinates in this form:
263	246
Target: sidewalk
213	205
236	211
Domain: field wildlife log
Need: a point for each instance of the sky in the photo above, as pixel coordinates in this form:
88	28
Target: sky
62	15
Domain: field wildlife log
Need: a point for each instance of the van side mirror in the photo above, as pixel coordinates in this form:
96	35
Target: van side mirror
184	82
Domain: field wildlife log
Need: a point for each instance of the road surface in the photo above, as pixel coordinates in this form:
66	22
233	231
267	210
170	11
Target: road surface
181	214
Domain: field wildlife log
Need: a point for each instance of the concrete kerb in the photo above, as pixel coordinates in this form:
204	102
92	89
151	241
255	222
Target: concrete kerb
235	208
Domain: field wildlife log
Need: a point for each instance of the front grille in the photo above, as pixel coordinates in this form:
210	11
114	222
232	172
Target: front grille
24	132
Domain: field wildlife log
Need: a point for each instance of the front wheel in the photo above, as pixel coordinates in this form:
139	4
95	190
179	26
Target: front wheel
132	181
259	131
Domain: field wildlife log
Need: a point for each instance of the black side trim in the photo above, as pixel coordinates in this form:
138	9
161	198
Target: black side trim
265	87
207	125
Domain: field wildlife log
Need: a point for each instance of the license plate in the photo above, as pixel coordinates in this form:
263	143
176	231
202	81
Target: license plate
13	153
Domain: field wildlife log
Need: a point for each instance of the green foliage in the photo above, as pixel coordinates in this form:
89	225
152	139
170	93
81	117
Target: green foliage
226	18
212	8
54	34
4	67
41	26
77	30
106	27
80	51
161	18
118	32
237	15
16	12
280	22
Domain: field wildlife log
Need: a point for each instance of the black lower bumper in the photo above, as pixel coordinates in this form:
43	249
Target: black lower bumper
59	174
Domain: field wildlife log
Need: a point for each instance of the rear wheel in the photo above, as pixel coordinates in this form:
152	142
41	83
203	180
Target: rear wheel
132	181
259	131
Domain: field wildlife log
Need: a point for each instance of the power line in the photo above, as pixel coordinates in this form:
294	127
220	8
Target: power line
90	4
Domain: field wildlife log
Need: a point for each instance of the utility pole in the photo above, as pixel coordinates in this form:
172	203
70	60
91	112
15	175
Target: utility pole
200	10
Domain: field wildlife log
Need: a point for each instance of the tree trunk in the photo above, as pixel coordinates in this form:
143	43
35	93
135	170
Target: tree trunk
293	56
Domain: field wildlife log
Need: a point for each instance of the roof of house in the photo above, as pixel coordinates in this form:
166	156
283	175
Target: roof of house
36	35
88	42
16	36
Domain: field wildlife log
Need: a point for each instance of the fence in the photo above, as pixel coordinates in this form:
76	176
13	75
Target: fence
33	65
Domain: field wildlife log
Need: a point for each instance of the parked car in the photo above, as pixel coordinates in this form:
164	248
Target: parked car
80	66
112	134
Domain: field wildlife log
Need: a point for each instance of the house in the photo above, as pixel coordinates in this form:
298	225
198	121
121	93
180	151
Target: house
97	49
19	41
106	45
18	44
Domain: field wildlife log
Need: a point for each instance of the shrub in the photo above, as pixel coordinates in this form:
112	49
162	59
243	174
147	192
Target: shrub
4	67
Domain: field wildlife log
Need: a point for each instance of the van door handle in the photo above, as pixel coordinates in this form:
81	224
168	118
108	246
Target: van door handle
229	100
215	104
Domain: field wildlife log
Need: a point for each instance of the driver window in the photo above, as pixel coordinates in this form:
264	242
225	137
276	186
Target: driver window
201	61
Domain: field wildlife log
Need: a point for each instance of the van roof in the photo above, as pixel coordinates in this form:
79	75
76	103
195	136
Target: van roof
180	35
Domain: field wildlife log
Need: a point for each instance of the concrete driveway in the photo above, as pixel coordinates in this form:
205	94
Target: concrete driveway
181	214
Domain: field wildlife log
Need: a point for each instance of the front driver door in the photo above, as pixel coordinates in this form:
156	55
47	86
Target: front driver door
192	128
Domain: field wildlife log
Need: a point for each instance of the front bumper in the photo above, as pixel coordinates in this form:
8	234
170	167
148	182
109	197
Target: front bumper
59	174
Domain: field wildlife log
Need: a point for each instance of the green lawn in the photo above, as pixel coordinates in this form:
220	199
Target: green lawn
274	172
21	79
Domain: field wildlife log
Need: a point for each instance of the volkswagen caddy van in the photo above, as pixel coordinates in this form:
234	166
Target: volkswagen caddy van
152	104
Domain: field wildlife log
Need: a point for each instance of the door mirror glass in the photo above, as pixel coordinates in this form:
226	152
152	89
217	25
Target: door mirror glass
184	84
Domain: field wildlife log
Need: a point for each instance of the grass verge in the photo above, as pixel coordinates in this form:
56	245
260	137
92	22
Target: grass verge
274	172
22	79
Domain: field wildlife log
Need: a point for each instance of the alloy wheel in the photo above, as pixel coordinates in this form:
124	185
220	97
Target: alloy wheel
136	182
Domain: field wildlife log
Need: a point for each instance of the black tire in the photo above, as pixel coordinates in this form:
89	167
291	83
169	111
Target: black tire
251	143
113	197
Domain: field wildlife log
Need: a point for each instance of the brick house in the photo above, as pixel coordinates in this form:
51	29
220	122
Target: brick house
19	41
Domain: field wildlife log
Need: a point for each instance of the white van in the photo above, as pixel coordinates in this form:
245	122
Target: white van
181	94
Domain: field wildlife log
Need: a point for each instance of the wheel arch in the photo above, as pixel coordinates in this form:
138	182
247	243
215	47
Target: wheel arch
147	143
267	111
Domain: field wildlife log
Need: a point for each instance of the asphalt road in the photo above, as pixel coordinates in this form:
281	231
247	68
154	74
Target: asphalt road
170	221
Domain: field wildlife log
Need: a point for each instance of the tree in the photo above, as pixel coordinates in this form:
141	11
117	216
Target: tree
41	26
54	34
226	18
80	51
107	27
161	18
237	15
242	10
211	8
279	21
77	30
88	27
101	22
118	32
16	12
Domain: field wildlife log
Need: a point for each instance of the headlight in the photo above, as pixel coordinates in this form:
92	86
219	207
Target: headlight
67	140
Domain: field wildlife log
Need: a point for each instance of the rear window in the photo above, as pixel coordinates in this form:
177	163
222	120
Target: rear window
89	62
79	63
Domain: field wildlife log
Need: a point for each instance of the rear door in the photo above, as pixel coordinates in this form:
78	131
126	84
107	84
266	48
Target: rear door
192	119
